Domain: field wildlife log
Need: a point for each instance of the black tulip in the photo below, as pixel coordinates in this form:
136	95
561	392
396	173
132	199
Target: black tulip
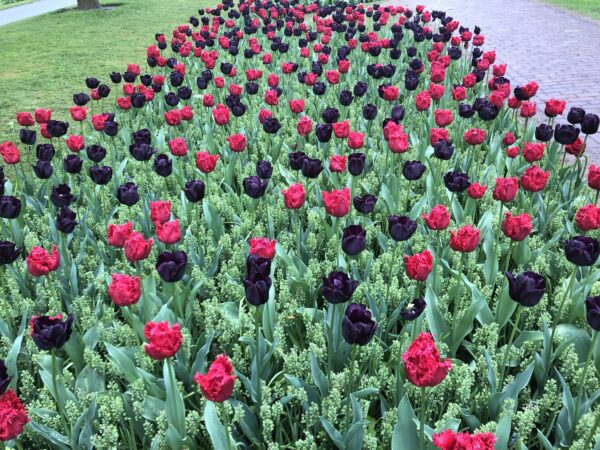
194	190
127	194
590	124
100	174
171	99
565	134
138	100
413	170
346	98
141	151
414	309
369	111
10	207
466	111
443	150
111	128
358	327
61	196
296	159
92	82
8	252
257	289
356	163
354	239
51	332
397	113
544	132
527	289
582	250
271	125
27	136
96	153
43	169
575	115
163	165
45	152
254	187
311	168
338	287
72	164
360	88
65	220
592	306
144	135
401	227
115	77
81	99
171	266
330	115
264	169
365	204
456	181
56	128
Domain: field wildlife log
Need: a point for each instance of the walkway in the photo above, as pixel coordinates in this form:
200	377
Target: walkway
37	8
555	48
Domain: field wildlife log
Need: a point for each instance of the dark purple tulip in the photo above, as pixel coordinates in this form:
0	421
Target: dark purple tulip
358	327
254	187
45	152
356	163
466	111
360	88
96	153
323	132
346	98
43	169
369	111
144	135
50	332
330	115
115	77
257	289
163	165
582	250
10	207
171	99
397	113
27	136
565	134
456	181
138	100
264	169
4	378
56	128
354	240
414	309
171	266
92	82
72	164
271	125
65	220
575	115
443	150
81	99
61	196
194	190
296	159
311	168
527	289
365	204
401	227
141	151
111	128
413	170
258	265
592	306
544	132
590	124
338	287
127	194
8	252
100	175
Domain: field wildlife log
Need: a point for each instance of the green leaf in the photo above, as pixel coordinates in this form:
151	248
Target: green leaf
405	435
503	433
11	358
216	430
174	402
333	433
50	435
319	377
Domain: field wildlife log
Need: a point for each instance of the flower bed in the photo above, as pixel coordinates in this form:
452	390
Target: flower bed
302	228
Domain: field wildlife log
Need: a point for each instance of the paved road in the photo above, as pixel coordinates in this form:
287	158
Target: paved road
22	12
557	49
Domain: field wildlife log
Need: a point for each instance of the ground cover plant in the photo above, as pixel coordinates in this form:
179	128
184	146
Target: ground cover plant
302	226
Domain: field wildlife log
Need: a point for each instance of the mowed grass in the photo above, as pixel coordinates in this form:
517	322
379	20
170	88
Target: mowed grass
45	60
589	8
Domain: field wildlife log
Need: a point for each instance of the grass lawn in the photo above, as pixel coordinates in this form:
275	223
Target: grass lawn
46	59
589	8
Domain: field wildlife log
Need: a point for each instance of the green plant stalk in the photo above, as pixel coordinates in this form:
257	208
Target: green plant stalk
509	345
258	363
584	374
350	384
422	411
560	306
389	277
61	413
226	424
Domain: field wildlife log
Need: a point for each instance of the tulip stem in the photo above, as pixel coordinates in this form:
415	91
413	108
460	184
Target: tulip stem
508	346
350	385
584	374
560	307
258	364
423	410
226	424
596	198
389	278
55	388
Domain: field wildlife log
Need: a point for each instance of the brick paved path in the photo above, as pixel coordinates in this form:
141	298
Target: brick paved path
557	49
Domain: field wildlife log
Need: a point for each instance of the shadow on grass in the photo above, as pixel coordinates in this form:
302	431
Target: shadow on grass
107	7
